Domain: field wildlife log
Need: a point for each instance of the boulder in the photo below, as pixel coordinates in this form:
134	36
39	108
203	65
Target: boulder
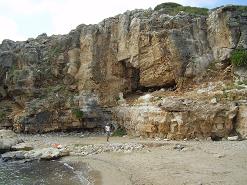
12	156
47	153
22	146
36	154
8	139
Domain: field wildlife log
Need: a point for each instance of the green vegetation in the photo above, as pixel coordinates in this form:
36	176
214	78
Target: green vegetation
119	132
174	8
78	113
80	145
234	85
167	6
147	13
236	8
242	82
117	98
212	66
54	51
242	8
2	116
239	58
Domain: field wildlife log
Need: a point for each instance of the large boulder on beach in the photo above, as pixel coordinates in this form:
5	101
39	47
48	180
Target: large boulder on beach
47	153
36	154
7	139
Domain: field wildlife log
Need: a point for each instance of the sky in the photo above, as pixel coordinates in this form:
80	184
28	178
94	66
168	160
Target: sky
23	19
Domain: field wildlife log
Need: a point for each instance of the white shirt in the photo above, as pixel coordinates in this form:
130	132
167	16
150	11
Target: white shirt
107	128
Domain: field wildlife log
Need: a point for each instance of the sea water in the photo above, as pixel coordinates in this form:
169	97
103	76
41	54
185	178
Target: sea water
42	173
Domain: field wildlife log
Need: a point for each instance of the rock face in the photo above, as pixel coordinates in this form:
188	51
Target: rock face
73	81
7	139
241	126
178	118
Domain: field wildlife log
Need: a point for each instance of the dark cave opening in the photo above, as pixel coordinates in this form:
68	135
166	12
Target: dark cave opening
168	87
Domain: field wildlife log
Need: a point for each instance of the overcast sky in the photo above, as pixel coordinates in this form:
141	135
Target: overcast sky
22	19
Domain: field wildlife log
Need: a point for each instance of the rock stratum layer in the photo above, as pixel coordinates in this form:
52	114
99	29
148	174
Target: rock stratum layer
152	73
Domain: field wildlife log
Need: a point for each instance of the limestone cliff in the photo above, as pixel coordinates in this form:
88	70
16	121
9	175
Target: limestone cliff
100	73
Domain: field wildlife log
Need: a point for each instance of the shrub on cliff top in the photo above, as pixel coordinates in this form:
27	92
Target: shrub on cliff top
174	8
239	58
234	8
166	5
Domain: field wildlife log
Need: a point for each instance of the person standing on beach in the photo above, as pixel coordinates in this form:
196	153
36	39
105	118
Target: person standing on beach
108	131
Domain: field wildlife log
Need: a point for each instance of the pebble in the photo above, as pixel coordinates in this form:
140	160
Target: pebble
219	155
233	138
108	147
179	147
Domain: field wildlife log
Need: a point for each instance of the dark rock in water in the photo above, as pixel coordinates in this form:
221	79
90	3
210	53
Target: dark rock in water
17	155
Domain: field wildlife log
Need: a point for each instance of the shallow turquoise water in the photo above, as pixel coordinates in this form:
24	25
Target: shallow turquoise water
42	173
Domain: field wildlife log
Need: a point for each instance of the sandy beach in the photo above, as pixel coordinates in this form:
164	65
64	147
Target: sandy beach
160	162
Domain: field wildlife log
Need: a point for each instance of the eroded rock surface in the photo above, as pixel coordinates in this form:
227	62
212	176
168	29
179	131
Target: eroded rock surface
73	81
178	118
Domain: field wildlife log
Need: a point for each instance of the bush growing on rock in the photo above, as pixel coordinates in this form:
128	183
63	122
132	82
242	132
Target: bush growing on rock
119	132
78	113
239	58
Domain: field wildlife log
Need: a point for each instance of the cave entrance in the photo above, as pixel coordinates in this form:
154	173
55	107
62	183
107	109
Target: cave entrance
168	87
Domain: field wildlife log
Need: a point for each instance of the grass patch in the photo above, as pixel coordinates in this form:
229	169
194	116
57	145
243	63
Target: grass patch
119	132
174	8
239	58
